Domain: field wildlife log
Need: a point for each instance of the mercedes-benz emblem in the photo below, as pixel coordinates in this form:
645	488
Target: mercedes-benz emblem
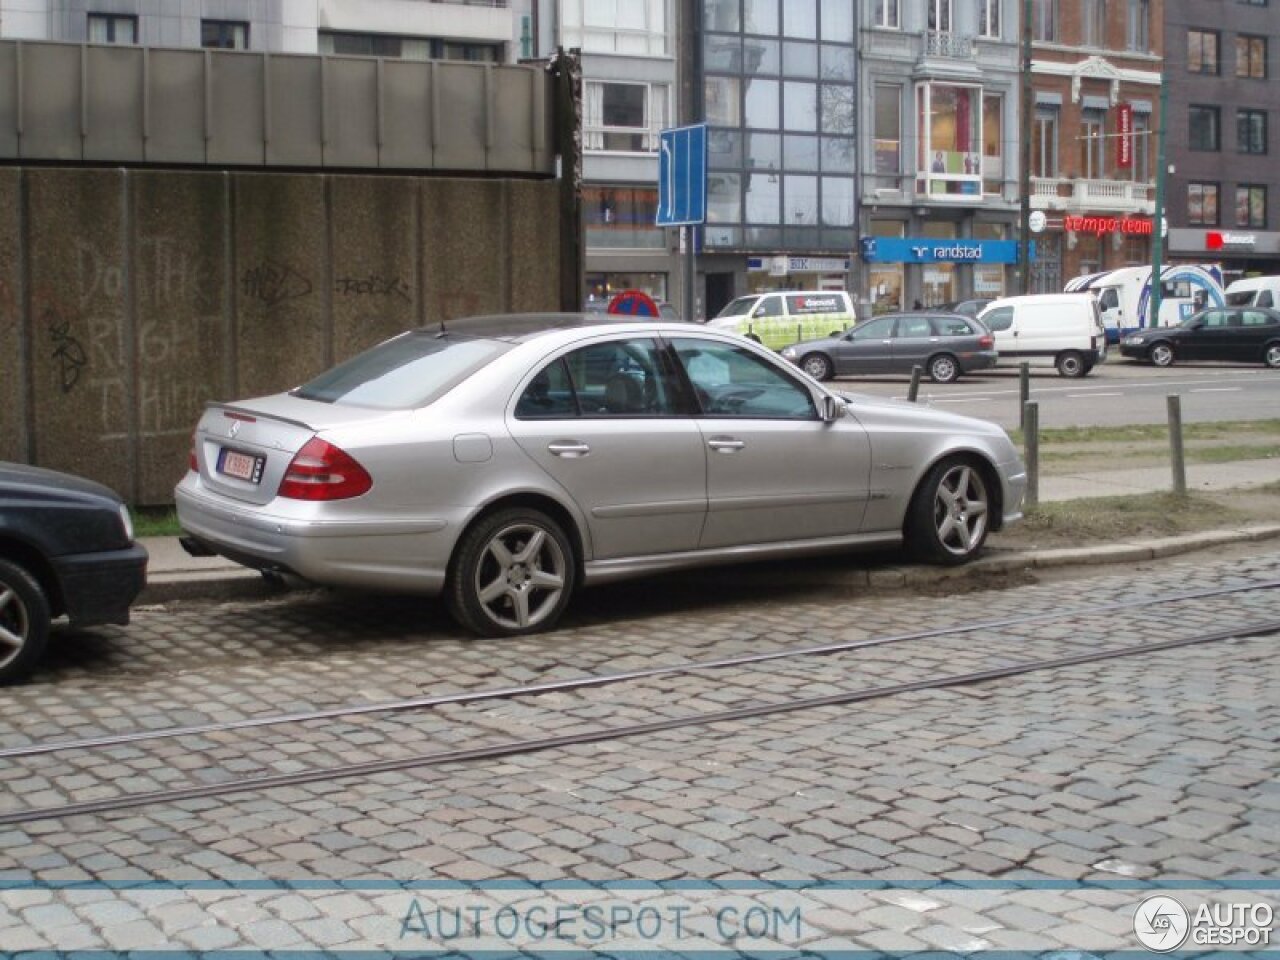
235	428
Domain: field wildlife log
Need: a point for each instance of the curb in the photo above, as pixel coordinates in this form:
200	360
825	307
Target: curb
244	584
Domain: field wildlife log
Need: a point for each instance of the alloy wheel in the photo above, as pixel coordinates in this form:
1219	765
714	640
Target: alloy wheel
960	510
520	576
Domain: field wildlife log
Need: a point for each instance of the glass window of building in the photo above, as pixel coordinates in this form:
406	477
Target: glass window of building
760	16
837	20
622	218
989	278
724	16
801	19
888	14
721	101
1251	57
992	143
836	102
1044	20
1202	204
1137	33
1140	172
224	34
1202	51
837	201
837	63
1203	128
722	54
1251	131
1044	143
623	117
761	57
940	15
760	104
1251	206
939	279
113	28
886	279
888	129
800	106
989	18
837	154
763	151
615	26
1093	144
801	199
800	152
1093	23
949	119
800	59
763	198
602	286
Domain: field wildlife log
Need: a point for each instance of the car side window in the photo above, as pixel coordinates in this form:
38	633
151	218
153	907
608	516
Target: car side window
617	378
733	381
951	327
1264	299
914	327
549	395
1001	318
1214	318
769	307
1256	318
873	329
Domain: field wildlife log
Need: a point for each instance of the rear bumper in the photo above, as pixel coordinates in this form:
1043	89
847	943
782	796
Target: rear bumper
978	360
410	554
99	587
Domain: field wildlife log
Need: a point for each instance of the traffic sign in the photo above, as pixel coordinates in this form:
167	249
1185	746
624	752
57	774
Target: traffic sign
633	303
682	176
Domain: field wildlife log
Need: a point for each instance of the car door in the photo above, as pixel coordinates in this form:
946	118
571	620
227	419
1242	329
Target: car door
913	342
609	422
1208	336
867	348
775	470
1257	329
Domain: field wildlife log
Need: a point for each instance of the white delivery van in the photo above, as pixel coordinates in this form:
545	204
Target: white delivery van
1063	330
1254	292
1124	296
783	317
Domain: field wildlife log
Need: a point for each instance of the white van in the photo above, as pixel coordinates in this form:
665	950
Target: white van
783	317
1254	292
1060	329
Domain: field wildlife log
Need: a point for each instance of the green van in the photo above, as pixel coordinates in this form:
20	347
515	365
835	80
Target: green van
783	317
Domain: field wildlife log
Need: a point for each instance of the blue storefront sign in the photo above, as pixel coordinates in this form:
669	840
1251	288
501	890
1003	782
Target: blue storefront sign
932	250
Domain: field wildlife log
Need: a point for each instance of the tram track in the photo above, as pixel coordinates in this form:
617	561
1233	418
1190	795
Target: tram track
605	733
607	679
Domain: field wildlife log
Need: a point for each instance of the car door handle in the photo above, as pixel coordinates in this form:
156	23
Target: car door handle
726	444
568	448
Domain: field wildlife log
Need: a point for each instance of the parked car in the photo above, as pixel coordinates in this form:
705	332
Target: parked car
945	345
66	547
1234	335
779	318
1062	330
970	308
506	461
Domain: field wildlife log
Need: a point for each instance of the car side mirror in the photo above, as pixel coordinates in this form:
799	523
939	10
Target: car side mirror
830	409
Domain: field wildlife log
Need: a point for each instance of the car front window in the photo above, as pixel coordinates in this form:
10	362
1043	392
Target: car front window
737	308
733	381
409	371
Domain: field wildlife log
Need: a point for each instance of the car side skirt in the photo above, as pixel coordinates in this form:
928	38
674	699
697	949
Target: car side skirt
609	571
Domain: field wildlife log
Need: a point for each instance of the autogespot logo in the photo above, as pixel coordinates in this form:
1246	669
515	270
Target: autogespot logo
1161	924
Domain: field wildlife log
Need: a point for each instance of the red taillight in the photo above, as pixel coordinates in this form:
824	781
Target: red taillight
986	341
192	464
321	471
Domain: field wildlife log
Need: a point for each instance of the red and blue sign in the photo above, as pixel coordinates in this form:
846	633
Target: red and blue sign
633	303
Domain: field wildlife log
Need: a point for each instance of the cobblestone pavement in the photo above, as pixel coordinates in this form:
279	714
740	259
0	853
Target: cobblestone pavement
1145	769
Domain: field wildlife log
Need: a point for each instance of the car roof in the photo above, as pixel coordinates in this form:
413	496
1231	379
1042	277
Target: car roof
527	326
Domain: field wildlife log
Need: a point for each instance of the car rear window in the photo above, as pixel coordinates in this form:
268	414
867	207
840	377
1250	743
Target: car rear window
406	372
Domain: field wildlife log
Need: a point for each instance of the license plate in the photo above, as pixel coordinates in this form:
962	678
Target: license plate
242	466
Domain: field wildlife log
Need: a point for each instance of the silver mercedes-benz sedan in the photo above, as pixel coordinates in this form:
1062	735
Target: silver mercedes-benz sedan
505	461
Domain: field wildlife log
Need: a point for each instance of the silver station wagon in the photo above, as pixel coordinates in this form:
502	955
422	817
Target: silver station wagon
502	462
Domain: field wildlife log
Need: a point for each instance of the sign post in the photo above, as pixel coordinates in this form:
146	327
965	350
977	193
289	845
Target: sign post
682	192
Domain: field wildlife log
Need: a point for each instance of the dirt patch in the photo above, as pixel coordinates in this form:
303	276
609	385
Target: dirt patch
1115	519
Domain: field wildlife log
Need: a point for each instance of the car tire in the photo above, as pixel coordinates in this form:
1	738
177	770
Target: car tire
816	365
1070	363
512	574
1161	353
24	622
950	513
1271	355
943	368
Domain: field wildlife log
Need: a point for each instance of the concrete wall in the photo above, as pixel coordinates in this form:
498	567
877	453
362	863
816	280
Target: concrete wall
130	298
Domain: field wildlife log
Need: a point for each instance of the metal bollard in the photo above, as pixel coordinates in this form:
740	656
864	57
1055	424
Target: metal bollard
1031	445
913	391
1024	389
1176	453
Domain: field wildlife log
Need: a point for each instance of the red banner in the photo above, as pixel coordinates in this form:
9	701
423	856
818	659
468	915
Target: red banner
1124	140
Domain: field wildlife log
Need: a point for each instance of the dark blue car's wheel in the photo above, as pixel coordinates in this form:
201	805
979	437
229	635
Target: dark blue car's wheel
24	622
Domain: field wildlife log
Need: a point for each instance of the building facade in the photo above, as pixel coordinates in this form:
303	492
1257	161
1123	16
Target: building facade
629	76
938	156
1096	74
1224	186
408	29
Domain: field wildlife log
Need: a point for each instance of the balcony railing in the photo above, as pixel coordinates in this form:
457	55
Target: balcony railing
940	43
1121	196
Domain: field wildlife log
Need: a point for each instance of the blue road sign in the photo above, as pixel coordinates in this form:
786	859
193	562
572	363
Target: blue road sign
682	176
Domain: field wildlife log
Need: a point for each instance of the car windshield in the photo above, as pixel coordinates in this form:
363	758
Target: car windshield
736	308
409	371
1241	298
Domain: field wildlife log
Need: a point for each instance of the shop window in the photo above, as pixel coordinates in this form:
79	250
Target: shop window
622	218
